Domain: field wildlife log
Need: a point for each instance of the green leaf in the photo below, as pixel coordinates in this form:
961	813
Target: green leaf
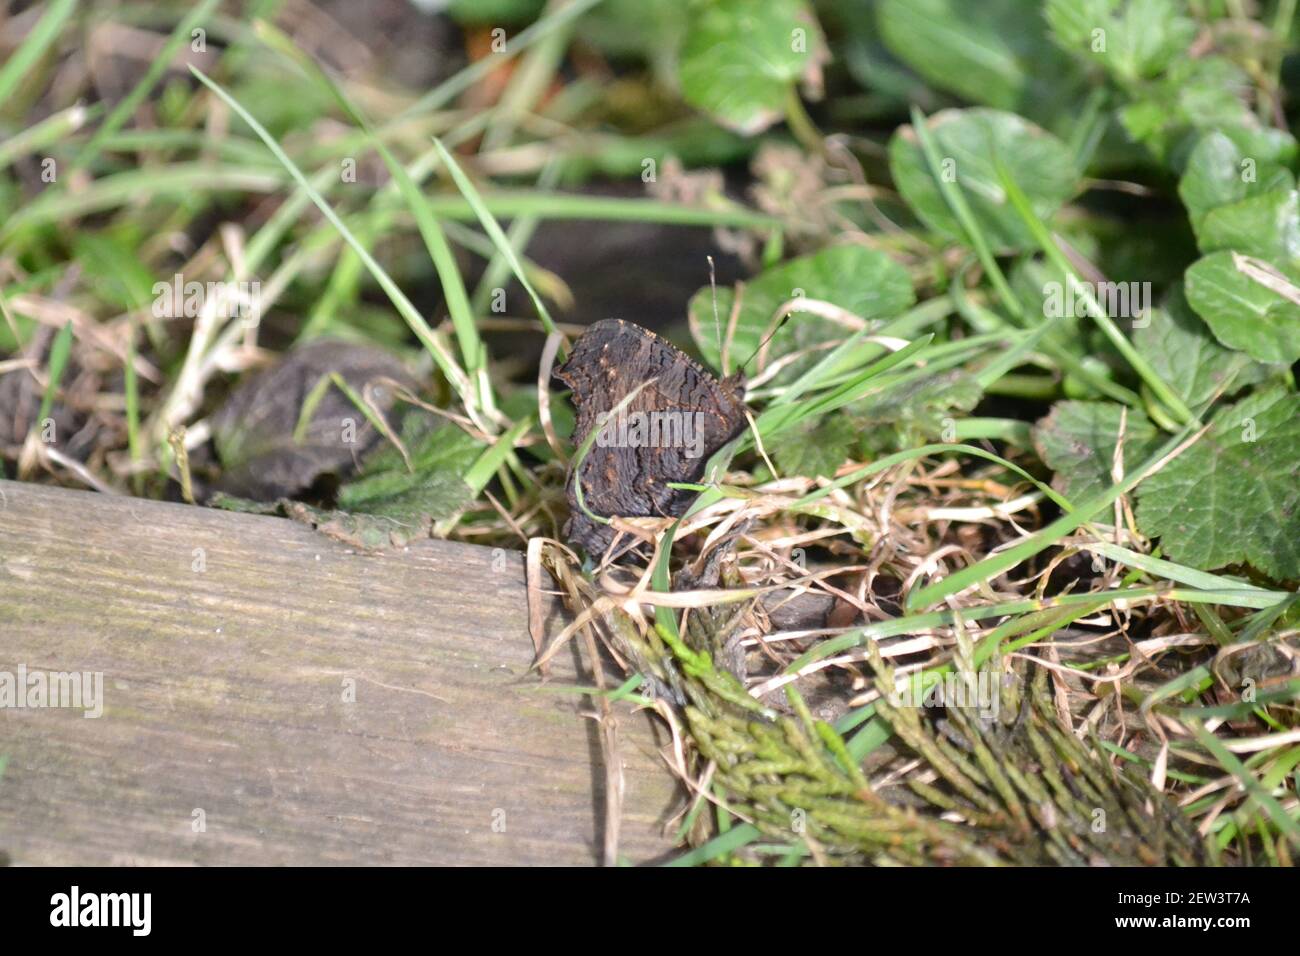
865	282
1267	226
1219	173
1073	22
1179	346
1234	496
993	52
432	489
920	404
1241	312
1212	177
969	144
858	47
1131	40
742	59
1077	441
814	450
1197	94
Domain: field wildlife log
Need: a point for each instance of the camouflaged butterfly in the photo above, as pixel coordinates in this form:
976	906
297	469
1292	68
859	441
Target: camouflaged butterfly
666	433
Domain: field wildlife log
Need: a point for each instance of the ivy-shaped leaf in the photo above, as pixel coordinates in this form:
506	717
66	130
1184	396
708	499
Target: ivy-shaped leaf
1077	441
1266	226
816	449
1234	496
431	489
1202	93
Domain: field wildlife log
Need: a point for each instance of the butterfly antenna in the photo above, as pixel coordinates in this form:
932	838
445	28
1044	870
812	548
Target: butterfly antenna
753	355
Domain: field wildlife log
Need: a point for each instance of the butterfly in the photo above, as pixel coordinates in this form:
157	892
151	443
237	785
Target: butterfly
666	433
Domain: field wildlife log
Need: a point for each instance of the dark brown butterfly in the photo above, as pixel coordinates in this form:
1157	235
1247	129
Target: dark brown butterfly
666	433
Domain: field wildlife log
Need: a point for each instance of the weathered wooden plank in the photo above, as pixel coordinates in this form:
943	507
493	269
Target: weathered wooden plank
227	643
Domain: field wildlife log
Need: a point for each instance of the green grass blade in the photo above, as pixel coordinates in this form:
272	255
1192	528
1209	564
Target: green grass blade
311	401
910	454
952	195
728	842
512	203
518	236
778	418
180	181
916	623
473	353
1008	430
1288	691
493	229
528	83
449	89
996	564
33	48
956	201
59	352
131	385
430	339
481	472
1117	338
1230	763
1168	570
49	130
183	180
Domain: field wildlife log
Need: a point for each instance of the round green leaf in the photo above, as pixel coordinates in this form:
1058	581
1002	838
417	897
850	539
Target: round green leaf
742	58
969	143
1178	345
1213	176
1219	174
1267	226
1242	313
865	282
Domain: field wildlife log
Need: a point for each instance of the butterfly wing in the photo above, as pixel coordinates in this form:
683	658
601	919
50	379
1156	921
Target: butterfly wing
666	433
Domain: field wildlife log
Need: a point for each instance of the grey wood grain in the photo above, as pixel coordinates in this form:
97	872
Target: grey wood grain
227	644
